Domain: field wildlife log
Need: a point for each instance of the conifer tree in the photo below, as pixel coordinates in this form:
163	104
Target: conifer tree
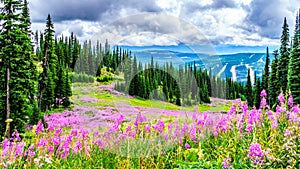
265	78
284	57
274	81
49	76
249	93
294	66
17	69
257	90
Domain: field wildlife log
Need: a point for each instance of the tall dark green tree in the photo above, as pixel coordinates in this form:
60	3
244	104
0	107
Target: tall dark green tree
17	69
294	65
265	77
257	90
49	76
284	57
249	92
274	86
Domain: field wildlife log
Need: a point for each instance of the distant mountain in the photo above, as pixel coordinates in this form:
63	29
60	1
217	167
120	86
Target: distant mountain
226	65
219	58
219	49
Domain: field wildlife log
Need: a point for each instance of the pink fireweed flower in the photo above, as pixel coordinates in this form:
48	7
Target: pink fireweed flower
6	147
226	163
132	133
39	128
287	132
170	127
147	128
185	128
15	136
128	129
159	127
241	123
74	132
201	123
216	133
291	102
56	140
292	116
50	127
254	116
263	103
281	98
19	149
249	128
224	123
99	143
69	138
280	109
84	133
192	133
187	146
117	122
78	146
166	137
270	115
263	93
255	153
295	109
275	124
238	101
42	143
245	108
50	149
139	119
58	131
232	110
30	151
178	133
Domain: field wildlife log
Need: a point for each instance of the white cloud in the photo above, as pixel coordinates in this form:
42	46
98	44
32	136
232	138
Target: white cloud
188	21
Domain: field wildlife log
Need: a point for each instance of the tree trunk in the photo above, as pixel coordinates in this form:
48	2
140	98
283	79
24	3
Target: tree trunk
7	99
42	83
39	103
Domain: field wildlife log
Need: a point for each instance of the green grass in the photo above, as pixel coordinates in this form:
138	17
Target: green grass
108	99
218	108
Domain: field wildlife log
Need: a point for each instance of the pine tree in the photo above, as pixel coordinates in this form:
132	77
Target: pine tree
274	80
265	78
17	70
257	90
284	57
49	76
294	66
249	95
134	81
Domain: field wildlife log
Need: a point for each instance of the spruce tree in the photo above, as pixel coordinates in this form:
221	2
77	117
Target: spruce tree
294	66
49	76
249	93
17	70
284	57
265	78
274	81
257	90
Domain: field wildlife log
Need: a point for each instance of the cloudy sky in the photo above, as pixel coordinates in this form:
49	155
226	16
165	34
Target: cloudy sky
169	22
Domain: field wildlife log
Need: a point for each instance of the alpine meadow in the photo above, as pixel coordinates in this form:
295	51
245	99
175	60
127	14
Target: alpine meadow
139	84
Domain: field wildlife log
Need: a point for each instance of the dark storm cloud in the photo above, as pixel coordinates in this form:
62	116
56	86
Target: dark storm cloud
87	10
267	16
